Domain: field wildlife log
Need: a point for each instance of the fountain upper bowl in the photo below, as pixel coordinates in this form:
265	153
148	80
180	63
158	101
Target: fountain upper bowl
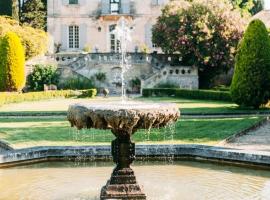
122	118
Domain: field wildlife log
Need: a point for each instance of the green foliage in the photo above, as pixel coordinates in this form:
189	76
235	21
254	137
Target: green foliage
251	80
189	94
10	8
222	88
12	60
136	82
100	76
34	41
42	74
167	85
90	93
6	7
77	84
34	14
250	7
7	97
204	32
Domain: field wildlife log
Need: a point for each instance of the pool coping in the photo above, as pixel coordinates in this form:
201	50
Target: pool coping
15	157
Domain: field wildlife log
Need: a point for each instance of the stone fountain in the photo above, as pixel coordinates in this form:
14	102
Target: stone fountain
123	119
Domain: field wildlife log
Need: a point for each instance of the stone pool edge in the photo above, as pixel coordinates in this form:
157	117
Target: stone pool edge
82	153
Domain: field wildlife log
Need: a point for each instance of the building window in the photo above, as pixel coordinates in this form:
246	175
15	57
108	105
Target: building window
73	2
115	6
73	32
114	43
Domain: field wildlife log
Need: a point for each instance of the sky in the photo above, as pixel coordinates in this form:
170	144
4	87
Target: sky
267	4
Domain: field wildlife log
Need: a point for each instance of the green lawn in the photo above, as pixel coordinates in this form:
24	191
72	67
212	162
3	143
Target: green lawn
25	132
187	106
192	106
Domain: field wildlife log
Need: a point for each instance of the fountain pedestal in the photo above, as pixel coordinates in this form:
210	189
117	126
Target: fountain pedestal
122	184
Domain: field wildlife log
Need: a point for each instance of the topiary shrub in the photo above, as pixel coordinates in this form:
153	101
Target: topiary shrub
251	81
42	74
12	60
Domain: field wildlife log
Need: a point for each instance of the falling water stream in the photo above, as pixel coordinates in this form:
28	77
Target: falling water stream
122	32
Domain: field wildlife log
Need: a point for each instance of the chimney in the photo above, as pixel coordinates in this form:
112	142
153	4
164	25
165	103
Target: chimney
266	5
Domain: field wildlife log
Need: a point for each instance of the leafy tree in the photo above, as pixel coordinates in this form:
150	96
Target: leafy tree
34	14
248	6
12	69
42	74
34	41
204	32
251	80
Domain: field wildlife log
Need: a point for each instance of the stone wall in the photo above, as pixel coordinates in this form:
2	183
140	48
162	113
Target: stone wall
151	69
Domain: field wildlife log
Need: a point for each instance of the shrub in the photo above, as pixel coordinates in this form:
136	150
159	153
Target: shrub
167	85
11	97
35	41
90	93
101	76
251	81
204	32
188	94
77	84
42	74
12	69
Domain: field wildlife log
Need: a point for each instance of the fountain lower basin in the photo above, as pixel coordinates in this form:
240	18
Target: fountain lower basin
161	180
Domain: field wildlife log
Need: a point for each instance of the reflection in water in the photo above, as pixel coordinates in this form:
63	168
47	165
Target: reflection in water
161	181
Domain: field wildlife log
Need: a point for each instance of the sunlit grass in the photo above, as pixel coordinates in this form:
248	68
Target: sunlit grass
25	132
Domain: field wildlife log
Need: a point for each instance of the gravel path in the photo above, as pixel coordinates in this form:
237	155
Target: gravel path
258	139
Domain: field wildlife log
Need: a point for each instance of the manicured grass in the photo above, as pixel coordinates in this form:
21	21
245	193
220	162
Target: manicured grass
25	132
191	106
187	106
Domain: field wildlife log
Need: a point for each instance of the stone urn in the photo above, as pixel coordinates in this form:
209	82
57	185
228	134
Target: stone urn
123	119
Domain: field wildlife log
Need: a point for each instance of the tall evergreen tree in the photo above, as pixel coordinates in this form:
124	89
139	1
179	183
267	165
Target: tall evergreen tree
10	8
6	7
34	14
251	80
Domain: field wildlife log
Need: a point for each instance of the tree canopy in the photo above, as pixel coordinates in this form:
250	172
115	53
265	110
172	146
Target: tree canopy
204	32
33	13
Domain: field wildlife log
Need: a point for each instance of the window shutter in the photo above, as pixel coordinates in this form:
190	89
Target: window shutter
148	34
81	2
154	2
82	35
65	2
64	37
125	6
105	6
160	2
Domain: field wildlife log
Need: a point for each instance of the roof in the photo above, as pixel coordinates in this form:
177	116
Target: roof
264	16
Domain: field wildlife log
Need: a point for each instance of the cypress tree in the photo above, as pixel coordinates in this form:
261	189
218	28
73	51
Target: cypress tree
12	60
251	81
6	7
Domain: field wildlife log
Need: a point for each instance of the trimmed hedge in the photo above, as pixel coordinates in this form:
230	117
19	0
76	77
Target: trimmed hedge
6	97
189	94
90	93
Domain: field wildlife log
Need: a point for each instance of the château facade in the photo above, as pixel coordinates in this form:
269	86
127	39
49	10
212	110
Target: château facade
77	25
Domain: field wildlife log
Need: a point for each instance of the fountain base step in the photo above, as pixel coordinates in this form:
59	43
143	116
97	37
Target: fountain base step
122	185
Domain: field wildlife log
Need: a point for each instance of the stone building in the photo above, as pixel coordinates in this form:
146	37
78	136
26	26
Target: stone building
83	32
89	24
